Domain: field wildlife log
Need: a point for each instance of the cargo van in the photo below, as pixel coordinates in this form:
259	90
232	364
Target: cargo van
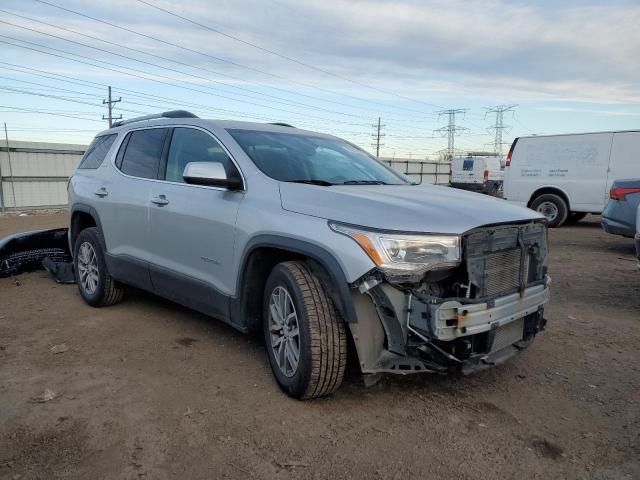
477	173
565	177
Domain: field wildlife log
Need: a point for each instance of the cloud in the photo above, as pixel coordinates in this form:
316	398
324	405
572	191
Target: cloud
444	48
608	113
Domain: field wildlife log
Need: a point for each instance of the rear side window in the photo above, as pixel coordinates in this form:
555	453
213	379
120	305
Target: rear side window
97	151
467	165
142	153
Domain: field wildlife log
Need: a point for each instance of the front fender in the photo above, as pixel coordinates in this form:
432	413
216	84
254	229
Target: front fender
324	264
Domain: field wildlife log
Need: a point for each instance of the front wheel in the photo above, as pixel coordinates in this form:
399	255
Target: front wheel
306	341
553	207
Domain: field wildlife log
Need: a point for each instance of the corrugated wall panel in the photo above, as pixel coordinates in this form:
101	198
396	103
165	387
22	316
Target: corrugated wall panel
35	194
37	159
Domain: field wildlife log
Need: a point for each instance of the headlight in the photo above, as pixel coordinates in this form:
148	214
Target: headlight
400	254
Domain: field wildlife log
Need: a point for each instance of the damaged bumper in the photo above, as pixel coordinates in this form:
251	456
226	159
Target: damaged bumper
465	319
24	252
450	337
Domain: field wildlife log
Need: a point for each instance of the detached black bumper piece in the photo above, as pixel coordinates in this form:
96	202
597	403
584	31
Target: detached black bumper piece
24	252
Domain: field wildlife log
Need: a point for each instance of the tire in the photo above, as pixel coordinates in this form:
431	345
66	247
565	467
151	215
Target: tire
575	217
321	339
553	207
106	291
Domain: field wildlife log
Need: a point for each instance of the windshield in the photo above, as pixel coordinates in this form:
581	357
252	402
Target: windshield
317	160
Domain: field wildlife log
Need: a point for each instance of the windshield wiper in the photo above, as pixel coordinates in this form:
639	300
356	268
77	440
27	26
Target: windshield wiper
364	182
309	181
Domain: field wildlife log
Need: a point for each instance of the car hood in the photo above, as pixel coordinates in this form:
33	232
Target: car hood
409	208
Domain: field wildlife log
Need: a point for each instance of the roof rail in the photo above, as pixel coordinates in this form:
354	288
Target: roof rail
280	124
169	114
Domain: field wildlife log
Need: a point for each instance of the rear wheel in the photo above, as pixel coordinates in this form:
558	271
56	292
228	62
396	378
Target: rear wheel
305	339
96	286
553	207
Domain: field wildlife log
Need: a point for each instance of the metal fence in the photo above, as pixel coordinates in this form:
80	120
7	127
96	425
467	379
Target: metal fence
34	174
424	171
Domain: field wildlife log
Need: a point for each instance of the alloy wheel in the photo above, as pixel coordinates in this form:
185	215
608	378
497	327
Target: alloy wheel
88	268
284	331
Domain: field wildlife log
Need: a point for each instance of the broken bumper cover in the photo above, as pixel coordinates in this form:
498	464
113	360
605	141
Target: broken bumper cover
452	337
24	252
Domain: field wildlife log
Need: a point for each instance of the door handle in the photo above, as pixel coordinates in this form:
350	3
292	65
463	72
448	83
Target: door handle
160	200
101	192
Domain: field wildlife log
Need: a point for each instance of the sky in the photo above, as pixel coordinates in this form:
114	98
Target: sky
333	66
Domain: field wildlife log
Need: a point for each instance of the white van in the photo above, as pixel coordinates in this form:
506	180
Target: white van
564	177
477	173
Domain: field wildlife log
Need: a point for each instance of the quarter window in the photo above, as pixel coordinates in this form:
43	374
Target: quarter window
97	151
191	145
143	151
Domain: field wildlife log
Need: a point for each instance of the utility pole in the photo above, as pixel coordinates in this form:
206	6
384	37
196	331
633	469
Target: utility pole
499	126
109	102
451	130
13	188
377	135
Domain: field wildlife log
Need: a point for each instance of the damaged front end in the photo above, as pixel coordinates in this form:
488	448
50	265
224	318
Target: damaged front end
461	317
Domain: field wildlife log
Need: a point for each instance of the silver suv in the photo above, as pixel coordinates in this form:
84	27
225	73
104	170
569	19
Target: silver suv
311	240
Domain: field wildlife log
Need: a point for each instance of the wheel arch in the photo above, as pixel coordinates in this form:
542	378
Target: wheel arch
553	190
83	216
262	253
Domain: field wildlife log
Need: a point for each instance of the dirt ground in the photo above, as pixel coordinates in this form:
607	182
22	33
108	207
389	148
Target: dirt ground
148	389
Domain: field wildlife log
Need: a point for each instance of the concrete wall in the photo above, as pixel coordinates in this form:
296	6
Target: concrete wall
36	176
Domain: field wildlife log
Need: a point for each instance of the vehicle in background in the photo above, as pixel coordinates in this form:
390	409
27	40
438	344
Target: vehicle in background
565	177
478	173
619	216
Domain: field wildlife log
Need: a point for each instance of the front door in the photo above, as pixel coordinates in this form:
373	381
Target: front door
192	227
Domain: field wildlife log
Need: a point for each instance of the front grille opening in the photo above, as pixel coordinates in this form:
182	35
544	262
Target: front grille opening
502	272
494	259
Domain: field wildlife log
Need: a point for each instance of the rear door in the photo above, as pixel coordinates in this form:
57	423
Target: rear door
624	162
125	214
192	227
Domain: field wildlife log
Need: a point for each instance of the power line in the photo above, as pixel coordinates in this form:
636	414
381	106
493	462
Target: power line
57	97
137	75
41	112
126	57
240	65
261	94
136	94
283	56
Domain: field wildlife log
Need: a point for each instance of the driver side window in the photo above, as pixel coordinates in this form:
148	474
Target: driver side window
191	145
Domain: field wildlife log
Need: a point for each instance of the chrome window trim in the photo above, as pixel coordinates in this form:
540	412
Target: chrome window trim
211	134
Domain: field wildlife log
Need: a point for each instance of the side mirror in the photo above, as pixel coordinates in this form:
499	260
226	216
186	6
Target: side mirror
209	173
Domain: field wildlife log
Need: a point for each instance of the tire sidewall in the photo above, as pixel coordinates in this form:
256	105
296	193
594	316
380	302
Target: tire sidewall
90	235
295	385
560	204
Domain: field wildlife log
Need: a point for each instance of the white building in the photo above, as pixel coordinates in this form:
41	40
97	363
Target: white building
35	174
